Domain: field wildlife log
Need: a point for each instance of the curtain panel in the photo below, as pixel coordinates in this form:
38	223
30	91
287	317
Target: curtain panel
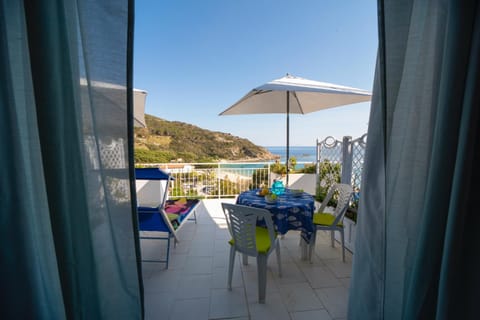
417	254
68	220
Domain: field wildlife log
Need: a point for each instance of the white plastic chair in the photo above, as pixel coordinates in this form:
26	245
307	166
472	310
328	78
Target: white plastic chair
250	240
332	222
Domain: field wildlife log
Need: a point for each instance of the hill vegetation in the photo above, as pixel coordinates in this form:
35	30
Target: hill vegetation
167	141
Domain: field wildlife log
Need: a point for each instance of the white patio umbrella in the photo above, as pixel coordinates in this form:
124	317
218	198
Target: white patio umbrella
114	94
296	95
139	97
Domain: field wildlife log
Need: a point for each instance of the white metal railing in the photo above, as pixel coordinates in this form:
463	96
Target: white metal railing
337	161
341	161
222	179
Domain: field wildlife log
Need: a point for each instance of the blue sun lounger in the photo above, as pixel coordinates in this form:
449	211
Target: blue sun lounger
167	217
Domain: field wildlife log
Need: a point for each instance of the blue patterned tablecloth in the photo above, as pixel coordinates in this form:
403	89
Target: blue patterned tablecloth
289	212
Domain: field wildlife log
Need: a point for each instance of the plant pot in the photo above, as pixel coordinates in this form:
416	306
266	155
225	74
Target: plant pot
349	231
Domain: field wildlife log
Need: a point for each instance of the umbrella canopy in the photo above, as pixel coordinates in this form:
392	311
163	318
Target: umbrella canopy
107	113
112	97
296	95
139	97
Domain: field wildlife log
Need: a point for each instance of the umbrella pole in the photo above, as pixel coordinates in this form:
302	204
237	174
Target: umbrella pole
288	135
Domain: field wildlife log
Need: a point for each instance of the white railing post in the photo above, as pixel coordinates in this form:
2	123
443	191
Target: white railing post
268	175
218	180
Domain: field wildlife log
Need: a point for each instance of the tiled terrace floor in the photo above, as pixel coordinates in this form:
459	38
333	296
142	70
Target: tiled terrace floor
195	285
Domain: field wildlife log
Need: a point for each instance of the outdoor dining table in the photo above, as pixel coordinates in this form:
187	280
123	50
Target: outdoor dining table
291	211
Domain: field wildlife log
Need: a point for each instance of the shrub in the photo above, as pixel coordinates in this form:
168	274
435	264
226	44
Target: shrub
148	156
278	168
329	174
308	168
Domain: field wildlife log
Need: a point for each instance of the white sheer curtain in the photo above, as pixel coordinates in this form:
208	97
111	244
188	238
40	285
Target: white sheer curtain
417	202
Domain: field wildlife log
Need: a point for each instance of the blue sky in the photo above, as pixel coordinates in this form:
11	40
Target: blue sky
196	58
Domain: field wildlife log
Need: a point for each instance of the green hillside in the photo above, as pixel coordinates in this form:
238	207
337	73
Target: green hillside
166	141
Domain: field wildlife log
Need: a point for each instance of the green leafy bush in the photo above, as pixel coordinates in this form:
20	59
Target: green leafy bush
329	174
292	162
278	168
148	156
308	168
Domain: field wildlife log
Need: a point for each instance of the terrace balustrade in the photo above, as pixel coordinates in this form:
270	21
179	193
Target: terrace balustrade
337	161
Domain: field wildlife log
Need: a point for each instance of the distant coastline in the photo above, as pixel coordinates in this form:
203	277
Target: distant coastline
302	154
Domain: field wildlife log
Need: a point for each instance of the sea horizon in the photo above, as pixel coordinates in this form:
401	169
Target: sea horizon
301	153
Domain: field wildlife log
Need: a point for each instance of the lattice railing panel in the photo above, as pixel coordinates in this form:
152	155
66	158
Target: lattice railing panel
358	158
329	164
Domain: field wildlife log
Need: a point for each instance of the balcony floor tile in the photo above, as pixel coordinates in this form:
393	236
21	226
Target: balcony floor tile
195	285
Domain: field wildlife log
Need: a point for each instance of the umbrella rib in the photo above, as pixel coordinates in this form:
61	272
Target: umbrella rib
294	93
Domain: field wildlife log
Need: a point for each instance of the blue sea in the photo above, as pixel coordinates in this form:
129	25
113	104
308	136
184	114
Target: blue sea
302	154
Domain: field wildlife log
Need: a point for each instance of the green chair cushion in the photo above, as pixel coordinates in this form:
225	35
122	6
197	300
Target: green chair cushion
263	240
324	219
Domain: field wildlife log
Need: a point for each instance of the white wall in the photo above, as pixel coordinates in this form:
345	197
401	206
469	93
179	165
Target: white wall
305	181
